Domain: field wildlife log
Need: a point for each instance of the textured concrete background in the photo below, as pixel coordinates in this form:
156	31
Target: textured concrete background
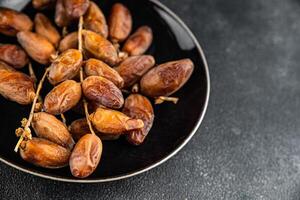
248	145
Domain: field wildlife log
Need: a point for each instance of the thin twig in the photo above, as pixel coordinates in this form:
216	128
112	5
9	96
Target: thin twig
85	104
26	127
64	120
162	99
32	74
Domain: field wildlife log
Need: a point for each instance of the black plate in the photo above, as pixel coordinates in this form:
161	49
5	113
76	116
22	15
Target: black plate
174	125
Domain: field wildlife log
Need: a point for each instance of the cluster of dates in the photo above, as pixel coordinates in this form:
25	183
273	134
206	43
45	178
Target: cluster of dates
107	70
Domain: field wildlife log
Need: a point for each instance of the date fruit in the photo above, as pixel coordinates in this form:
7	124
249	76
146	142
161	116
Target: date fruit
12	21
134	67
50	128
139	107
37	47
114	122
42	4
167	78
80	127
44	27
94	20
70	41
13	55
61	19
16	86
65	66
76	8
44	153
85	156
102	91
94	67
99	47
63	97
120	23
139	42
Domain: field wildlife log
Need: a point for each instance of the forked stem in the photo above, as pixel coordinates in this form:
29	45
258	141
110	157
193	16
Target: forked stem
85	104
27	125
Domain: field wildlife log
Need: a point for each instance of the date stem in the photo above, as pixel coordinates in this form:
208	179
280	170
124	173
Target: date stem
62	116
27	125
162	99
85	103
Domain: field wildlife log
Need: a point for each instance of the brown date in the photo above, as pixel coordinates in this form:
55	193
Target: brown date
94	67
12	21
62	97
85	156
44	27
76	8
120	23
44	153
80	127
42	4
139	42
50	128
60	17
99	47
13	55
65	66
16	86
94	20
167	78
37	47
70	41
114	122
139	107
102	91
134	67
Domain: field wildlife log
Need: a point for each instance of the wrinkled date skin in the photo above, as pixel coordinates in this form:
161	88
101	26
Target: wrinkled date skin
37	47
13	55
167	78
99	47
139	42
42	4
102	91
139	107
44	27
76	8
65	66
63	97
50	128
120	23
114	122
80	127
94	67
61	19
16	86
11	22
44	153
85	156
94	20
70	41
134	67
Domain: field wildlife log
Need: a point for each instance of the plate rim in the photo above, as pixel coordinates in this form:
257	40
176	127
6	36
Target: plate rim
164	159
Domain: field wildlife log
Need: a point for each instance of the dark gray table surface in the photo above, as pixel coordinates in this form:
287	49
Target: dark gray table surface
248	146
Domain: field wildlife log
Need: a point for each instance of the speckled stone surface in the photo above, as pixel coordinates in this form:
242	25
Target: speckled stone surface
248	144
